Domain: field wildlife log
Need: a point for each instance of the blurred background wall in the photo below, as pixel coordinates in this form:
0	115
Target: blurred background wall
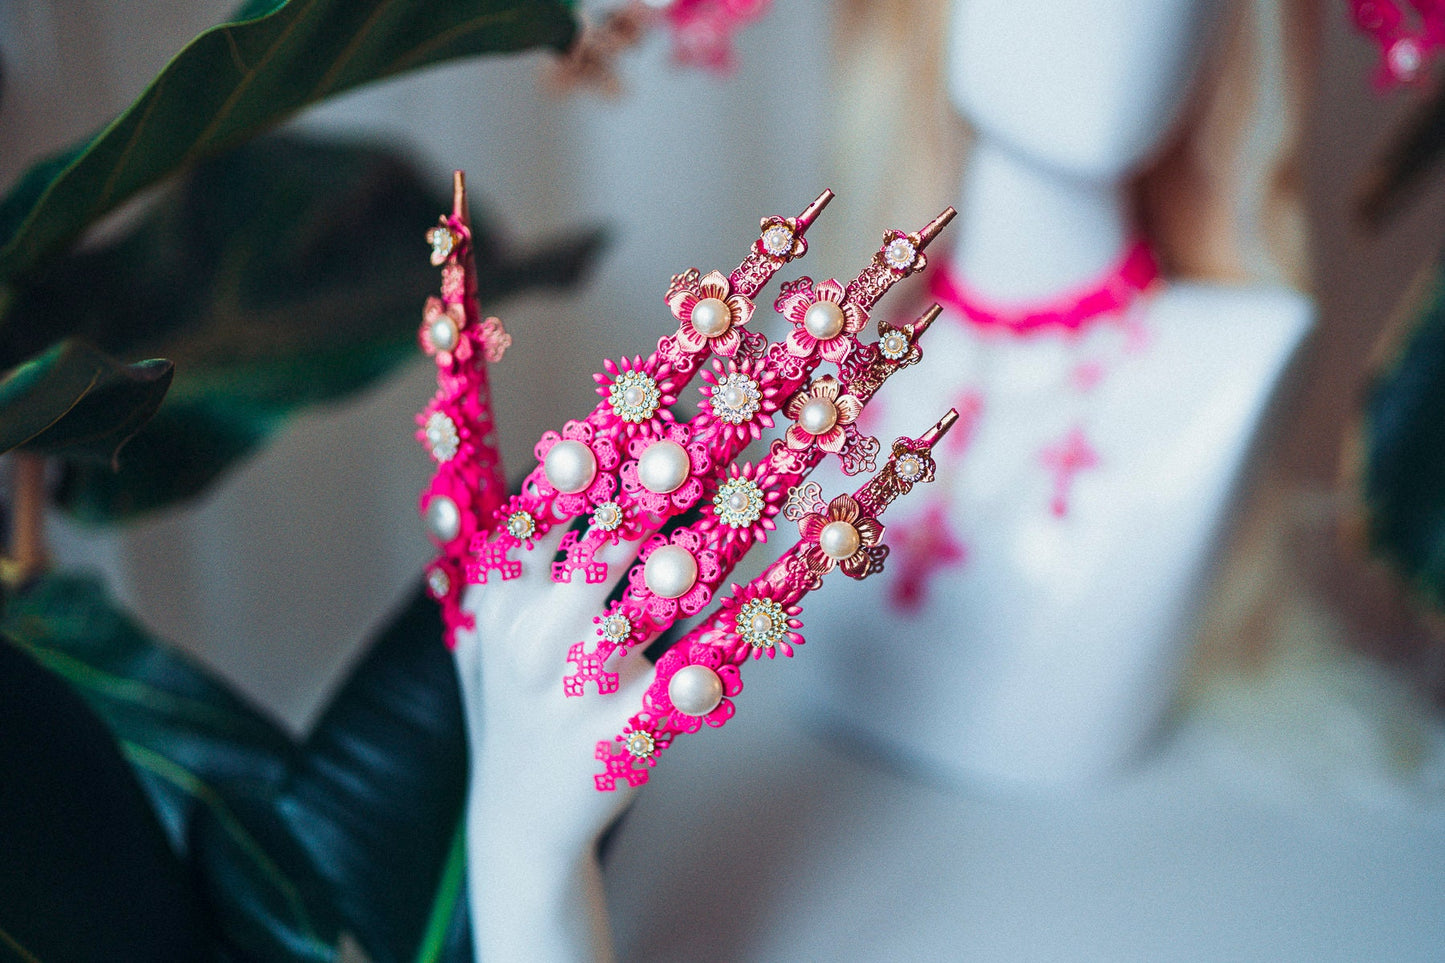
274	578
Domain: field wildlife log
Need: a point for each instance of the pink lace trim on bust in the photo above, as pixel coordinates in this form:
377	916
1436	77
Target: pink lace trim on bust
1109	295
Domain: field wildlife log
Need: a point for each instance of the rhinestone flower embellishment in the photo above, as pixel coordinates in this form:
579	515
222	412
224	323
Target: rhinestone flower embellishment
894	344
710	314
780	238
823	320
614	628
762	623
900	253
441	331
736	398
607	517
521	525
820	414
443	241
634	397
738	502
441	436
640	744
843	536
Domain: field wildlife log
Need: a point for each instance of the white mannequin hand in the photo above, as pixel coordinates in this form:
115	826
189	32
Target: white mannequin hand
534	810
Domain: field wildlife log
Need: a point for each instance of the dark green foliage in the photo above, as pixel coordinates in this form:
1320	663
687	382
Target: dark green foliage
1402	467
287	845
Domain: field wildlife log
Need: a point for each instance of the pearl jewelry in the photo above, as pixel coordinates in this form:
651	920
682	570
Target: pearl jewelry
893	345
818	416
695	690
824	320
670	572
663	467
900	253
438	582
777	240
634	396
570	467
443	518
712	317
908	467
640	744
762	623
521	525
839	540
441	436
443	333
616	627
607	517
738	502
736	398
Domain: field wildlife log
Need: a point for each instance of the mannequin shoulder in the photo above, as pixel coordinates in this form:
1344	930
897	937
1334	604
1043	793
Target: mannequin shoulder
1259	314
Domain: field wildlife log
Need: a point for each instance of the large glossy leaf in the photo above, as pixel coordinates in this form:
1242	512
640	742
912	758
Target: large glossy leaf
1402	446
85	870
377	793
201	753
355	829
243	76
75	400
282	274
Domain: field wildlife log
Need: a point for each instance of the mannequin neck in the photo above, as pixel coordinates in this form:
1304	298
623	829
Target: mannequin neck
1029	233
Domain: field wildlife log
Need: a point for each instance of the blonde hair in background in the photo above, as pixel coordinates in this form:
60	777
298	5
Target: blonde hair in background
1223	201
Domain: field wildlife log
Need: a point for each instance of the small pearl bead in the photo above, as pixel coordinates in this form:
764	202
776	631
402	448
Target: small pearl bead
761	624
633	396
670	572
734	397
824	320
737	501
818	416
712	317
663	467
570	467
695	690
443	334
443	518
839	540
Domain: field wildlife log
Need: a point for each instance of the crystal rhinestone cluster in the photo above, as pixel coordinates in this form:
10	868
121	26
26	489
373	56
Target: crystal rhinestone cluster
738	502
634	397
762	623
736	399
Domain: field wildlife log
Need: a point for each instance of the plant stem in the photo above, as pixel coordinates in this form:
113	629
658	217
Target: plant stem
27	532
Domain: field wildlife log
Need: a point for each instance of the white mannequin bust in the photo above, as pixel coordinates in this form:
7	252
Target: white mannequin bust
1048	653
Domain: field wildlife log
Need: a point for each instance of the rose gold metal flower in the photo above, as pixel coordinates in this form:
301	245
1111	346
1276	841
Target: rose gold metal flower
710	312
842	537
820	414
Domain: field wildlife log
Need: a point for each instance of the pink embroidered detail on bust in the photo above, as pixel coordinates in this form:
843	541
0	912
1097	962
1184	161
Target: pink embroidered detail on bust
923	547
1066	459
1106	297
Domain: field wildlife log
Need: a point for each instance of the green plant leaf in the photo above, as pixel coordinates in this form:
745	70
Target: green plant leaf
355	829
75	400
85	870
1402	446
282	274
379	788
243	76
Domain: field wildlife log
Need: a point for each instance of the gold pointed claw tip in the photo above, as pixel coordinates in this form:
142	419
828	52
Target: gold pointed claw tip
927	318
459	195
939	430
933	227
815	208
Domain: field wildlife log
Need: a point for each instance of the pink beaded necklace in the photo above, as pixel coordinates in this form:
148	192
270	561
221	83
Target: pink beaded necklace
1107	296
